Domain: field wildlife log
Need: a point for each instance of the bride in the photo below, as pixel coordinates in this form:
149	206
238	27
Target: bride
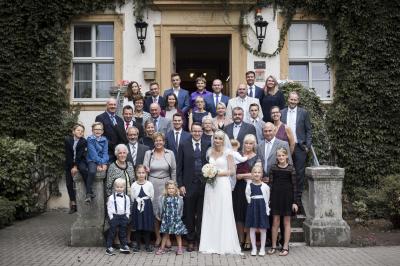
218	228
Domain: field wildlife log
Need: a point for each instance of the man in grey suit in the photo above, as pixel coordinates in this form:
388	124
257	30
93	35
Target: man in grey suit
298	120
136	150
161	124
239	129
256	121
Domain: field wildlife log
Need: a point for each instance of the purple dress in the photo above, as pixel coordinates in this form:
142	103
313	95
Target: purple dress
281	133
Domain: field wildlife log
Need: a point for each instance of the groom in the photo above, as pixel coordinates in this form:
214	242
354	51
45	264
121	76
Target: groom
191	158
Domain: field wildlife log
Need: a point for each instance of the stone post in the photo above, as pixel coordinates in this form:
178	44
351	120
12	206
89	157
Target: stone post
114	93
324	225
87	230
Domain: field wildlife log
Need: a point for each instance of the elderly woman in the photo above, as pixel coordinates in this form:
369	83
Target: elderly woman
199	113
282	131
161	166
220	120
272	97
149	130
208	128
121	168
139	115
243	174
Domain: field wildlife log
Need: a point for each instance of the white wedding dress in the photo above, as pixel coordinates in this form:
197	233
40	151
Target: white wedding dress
218	228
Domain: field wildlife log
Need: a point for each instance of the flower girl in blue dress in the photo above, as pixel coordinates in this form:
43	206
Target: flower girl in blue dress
257	195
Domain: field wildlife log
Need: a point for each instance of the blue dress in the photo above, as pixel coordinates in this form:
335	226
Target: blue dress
171	222
198	117
256	216
143	221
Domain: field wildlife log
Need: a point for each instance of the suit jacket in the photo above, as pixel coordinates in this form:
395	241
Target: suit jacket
183	99
234	102
164	125
303	126
80	156
141	150
185	166
245	129
271	160
149	100
259	128
139	126
258	93
114	134
170	140
210	103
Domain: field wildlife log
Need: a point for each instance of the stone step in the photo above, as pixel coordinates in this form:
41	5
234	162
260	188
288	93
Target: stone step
298	220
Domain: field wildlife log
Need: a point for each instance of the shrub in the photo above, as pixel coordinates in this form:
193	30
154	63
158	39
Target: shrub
17	179
7	212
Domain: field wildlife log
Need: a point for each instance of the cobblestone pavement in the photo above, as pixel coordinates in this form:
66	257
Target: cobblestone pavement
43	240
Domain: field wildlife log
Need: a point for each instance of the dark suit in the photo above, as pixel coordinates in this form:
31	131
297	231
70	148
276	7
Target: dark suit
170	143
210	103
304	138
193	207
149	101
138	125
257	92
245	129
141	150
114	134
183	99
79	162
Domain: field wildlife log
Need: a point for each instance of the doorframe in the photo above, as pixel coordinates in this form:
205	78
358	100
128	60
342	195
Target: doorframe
163	38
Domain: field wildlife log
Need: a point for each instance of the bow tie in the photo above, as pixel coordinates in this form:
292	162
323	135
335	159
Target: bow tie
120	195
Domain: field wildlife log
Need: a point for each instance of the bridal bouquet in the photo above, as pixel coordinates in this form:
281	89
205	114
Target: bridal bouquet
209	173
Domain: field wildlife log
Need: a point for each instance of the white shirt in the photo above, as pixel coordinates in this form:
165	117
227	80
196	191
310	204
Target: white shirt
120	205
155	99
176	91
133	147
291	121
194	144
179	136
236	129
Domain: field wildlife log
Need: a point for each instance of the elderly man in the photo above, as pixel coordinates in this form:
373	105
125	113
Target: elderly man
243	101
161	124
114	129
299	122
136	150
239	129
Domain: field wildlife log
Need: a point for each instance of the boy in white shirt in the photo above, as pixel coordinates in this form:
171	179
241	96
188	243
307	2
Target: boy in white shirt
118	209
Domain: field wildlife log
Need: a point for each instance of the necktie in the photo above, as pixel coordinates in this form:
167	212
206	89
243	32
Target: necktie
133	152
251	91
176	140
155	124
127	125
216	100
113	120
154	100
267	152
197	147
254	121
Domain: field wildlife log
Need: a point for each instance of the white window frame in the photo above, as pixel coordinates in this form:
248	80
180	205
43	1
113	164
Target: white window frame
93	59
309	60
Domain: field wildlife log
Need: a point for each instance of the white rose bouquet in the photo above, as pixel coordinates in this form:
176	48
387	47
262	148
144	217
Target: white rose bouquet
210	172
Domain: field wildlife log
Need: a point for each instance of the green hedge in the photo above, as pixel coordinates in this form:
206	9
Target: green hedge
7	212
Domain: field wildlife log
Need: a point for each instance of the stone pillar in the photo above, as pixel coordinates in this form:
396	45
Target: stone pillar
114	91
87	230
324	225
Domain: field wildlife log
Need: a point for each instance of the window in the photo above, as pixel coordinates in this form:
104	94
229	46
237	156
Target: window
93	60
308	47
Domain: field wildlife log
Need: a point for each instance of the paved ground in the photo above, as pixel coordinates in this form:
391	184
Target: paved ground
43	240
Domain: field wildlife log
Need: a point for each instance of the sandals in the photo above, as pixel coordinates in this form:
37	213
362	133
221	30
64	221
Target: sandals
284	252
271	251
160	251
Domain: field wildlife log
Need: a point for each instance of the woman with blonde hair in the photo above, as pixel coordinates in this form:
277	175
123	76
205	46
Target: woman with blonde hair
220	120
272	97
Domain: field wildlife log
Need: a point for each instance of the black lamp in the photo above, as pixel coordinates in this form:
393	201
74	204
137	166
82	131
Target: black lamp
261	29
141	32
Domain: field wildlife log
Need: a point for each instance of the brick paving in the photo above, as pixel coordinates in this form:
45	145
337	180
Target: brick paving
43	240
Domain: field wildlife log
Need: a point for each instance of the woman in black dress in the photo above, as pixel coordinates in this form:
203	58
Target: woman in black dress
272	97
282	178
243	175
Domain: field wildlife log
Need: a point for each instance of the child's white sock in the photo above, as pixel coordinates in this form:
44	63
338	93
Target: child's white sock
253	240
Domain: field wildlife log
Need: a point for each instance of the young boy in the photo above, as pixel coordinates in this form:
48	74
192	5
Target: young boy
236	155
118	209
